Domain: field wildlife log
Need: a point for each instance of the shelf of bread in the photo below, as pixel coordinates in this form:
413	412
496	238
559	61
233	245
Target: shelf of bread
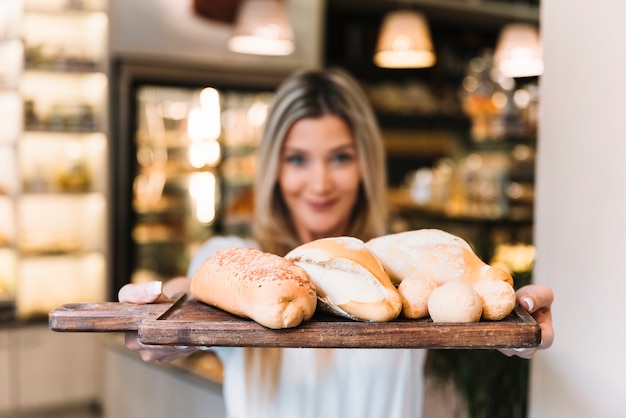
154	233
72	224
47	281
173	118
155	194
53	151
68	36
176	165
62	102
63	162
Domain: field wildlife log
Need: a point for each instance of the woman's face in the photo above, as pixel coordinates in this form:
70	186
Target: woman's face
319	176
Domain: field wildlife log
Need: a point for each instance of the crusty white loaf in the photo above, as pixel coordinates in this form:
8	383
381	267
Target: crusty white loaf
402	254
253	284
349	279
438	256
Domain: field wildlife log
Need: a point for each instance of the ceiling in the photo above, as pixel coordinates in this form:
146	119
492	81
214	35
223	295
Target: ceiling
486	12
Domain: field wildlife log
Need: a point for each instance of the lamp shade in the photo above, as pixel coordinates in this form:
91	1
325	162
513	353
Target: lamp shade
518	51
404	41
262	28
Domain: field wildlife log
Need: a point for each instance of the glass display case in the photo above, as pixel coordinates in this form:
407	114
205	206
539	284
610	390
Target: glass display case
194	165
184	159
53	153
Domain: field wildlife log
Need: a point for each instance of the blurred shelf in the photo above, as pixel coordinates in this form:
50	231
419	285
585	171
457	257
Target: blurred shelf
57	235
46	255
400	204
77	197
72	8
399	120
39	134
76	67
66	131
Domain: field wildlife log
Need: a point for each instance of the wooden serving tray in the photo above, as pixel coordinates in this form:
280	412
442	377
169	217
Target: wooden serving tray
190	323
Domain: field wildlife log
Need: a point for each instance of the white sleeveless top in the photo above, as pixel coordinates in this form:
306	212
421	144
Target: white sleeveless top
317	383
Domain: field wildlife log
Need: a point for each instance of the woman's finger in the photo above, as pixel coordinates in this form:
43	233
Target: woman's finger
526	353
535	297
140	292
152	353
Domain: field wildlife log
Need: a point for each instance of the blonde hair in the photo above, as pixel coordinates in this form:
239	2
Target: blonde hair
311	94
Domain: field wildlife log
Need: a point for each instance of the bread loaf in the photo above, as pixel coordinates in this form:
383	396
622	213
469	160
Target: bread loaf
438	256
349	279
423	252
253	284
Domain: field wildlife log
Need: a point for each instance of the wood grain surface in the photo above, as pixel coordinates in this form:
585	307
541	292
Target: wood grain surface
104	316
194	323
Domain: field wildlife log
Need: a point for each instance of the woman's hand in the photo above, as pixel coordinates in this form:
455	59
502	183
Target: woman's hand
148	293
537	299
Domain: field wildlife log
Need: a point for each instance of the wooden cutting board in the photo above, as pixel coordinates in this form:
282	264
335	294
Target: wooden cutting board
108	316
192	323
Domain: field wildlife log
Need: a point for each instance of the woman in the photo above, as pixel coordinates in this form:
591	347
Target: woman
323	174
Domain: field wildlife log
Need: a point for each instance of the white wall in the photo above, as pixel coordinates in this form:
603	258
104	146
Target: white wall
168	30
581	209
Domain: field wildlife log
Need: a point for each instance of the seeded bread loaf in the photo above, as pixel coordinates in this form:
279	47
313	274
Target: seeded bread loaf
254	284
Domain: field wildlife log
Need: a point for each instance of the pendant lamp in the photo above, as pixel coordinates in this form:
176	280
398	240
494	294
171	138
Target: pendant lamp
262	28
404	41
518	51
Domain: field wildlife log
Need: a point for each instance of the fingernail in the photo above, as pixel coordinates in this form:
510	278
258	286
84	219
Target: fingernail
203	348
529	303
519	350
181	347
154	288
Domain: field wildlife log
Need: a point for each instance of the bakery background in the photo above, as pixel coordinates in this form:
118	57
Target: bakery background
69	170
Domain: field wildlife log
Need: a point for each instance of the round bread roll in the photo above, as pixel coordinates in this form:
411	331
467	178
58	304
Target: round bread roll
498	298
415	291
349	279
455	302
254	284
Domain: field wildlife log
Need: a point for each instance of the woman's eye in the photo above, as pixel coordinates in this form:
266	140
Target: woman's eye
295	159
344	157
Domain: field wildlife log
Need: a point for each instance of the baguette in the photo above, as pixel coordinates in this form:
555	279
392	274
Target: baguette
349	279
254	284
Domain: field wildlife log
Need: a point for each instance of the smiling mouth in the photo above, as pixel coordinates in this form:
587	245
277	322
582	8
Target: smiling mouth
322	205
